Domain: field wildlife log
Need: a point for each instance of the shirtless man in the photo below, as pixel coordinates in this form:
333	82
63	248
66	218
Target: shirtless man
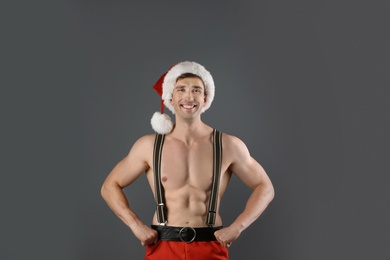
186	174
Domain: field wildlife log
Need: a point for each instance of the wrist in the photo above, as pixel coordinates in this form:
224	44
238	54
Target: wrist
129	218
239	227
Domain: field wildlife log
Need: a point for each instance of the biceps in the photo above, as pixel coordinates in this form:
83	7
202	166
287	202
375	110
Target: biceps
250	172
127	171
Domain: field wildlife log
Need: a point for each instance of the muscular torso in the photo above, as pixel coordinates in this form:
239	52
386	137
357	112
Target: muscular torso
186	175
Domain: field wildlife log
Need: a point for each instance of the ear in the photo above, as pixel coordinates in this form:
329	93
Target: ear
170	101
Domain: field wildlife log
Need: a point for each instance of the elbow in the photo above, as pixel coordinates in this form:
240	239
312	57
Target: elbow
109	189
269	193
104	191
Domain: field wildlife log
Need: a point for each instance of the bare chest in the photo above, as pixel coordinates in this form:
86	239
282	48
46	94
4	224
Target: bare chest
187	166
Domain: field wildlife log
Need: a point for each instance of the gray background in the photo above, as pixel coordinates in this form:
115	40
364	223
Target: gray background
305	84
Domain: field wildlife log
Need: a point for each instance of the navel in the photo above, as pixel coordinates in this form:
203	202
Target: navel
164	179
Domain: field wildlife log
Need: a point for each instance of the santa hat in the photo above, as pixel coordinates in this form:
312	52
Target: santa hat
162	123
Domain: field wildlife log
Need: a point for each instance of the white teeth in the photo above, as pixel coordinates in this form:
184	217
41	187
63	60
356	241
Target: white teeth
187	107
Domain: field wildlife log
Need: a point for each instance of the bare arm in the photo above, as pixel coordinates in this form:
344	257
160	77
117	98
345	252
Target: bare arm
122	175
253	175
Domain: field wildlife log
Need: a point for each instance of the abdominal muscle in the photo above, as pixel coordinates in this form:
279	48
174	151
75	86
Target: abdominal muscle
186	205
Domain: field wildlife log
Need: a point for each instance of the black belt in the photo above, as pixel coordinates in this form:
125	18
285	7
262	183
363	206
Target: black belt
186	234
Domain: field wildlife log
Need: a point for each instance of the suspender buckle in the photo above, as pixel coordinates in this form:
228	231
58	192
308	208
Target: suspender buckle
211	216
161	214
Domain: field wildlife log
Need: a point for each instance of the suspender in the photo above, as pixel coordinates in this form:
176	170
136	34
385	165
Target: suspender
217	161
159	189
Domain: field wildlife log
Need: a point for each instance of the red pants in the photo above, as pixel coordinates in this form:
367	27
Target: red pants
171	250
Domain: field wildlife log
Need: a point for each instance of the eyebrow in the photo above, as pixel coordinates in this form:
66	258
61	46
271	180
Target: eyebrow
181	86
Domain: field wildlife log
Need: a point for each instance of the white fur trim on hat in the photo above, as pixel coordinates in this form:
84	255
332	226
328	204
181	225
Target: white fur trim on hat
187	67
161	123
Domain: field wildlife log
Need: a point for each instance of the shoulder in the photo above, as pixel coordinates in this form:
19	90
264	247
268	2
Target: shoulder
143	144
234	149
232	142
146	139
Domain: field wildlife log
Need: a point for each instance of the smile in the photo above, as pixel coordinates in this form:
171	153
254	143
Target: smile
188	106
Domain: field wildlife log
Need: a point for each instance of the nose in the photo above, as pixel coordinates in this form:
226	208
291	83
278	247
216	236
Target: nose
188	95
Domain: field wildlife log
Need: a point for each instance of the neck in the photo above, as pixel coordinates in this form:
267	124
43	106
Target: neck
190	130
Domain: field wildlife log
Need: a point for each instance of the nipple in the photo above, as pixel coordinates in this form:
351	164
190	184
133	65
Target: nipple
164	179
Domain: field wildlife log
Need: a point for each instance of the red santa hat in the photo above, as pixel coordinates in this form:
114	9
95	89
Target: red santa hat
162	123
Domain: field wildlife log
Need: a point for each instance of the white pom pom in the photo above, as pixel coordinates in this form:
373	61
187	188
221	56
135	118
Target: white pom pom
161	123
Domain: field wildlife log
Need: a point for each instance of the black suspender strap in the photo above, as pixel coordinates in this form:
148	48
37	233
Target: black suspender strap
217	162
159	189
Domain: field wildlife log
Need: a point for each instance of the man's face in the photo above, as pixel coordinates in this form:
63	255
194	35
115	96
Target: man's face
188	97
